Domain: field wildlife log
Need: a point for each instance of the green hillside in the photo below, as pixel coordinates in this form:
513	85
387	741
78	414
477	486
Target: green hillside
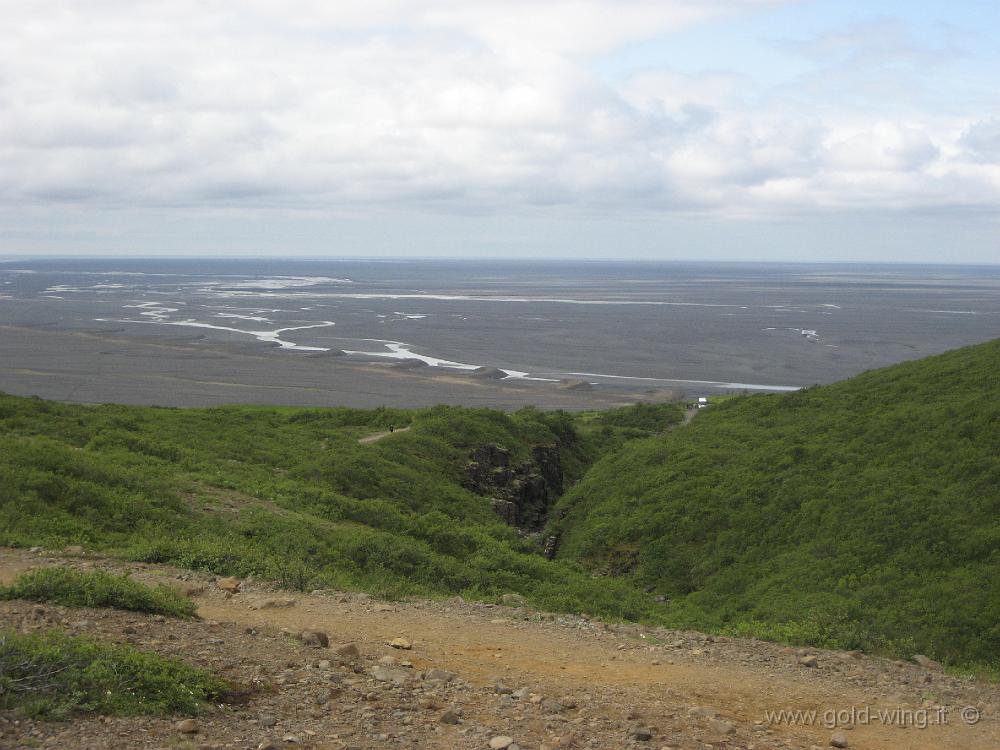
290	495
862	514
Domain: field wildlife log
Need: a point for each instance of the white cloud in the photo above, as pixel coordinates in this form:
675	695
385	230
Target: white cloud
982	141
881	147
461	107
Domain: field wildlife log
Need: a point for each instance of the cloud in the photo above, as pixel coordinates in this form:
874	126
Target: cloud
467	107
877	42
982	140
883	147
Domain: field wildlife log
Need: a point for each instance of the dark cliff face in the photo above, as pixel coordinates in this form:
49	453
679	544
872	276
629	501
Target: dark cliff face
523	493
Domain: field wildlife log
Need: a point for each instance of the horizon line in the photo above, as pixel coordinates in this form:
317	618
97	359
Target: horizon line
493	258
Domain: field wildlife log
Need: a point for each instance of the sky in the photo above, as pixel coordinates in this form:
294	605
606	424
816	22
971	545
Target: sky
825	130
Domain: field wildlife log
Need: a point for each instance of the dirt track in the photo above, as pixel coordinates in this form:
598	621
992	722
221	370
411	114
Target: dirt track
380	435
619	677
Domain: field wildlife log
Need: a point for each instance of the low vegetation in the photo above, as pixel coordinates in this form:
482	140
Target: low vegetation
291	496
642	419
864	514
72	588
52	675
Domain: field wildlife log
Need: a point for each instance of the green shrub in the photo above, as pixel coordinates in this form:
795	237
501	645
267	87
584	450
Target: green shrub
643	418
72	588
52	675
858	514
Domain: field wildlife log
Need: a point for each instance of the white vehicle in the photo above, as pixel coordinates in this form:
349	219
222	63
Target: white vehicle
702	402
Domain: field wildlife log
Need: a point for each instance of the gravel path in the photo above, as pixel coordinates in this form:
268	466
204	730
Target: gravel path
476	673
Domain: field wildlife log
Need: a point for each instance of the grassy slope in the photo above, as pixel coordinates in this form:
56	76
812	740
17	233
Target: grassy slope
290	495
96	588
861	514
52	675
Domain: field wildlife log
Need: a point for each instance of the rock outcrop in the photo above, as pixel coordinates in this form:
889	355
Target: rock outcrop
521	493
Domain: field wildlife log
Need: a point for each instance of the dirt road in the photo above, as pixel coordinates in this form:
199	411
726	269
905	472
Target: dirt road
596	685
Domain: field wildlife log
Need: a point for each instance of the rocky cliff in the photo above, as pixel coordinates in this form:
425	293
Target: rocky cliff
521	493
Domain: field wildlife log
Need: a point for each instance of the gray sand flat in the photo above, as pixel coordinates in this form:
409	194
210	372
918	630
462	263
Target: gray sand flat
417	333
94	367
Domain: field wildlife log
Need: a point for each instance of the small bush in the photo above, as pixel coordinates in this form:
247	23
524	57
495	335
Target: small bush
645	419
52	675
97	589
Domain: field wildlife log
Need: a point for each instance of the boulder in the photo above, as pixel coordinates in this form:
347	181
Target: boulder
552	706
643	734
314	638
187	726
394	675
348	651
232	585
